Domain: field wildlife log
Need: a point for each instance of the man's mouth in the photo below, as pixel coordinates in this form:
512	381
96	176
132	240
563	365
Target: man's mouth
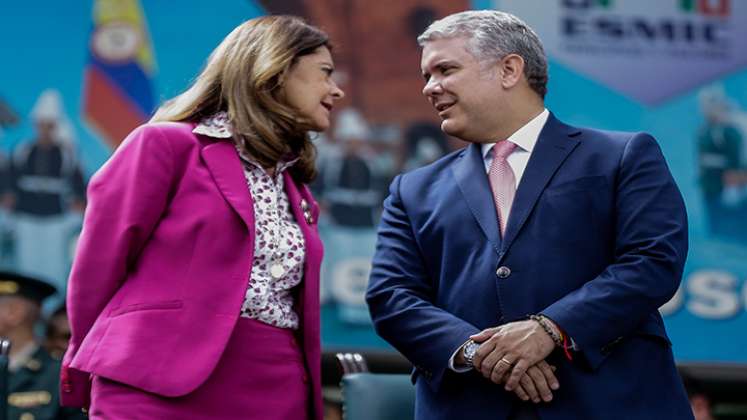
441	107
327	105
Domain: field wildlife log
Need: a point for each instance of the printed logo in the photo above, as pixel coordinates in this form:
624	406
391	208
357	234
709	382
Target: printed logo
706	7
648	51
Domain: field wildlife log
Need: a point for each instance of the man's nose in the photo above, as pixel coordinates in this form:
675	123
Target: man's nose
432	87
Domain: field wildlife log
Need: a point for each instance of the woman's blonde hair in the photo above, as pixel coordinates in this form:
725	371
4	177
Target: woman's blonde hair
243	77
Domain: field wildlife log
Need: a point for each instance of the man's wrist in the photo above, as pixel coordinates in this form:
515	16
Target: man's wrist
558	336
550	328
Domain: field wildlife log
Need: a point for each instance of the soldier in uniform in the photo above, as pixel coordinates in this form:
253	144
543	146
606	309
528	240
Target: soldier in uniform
49	194
33	374
720	160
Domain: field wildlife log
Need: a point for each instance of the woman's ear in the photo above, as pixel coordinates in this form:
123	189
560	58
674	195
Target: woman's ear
276	85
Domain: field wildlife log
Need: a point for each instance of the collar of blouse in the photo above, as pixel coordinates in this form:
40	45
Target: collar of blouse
219	126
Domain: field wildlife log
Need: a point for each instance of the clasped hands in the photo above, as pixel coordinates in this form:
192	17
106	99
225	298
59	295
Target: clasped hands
514	354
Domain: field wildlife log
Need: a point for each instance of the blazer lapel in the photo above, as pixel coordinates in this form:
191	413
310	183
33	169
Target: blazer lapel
471	177
556	141
225	167
306	213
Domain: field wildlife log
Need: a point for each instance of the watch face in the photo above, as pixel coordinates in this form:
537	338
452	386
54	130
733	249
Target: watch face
470	349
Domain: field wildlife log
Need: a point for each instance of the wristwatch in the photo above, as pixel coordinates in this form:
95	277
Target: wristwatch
469	350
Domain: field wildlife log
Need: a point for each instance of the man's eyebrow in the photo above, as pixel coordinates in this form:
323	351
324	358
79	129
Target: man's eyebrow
445	62
441	63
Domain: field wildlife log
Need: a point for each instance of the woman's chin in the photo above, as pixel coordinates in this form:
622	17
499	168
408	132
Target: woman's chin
320	124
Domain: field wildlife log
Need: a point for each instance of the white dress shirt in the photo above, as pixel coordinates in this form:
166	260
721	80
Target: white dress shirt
525	138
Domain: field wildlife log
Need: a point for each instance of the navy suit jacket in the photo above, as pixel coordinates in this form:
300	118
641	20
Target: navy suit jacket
596	240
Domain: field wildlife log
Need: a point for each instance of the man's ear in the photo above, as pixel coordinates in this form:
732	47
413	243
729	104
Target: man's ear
511	68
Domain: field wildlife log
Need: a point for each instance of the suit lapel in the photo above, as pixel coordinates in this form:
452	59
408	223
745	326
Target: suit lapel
556	141
471	177
225	167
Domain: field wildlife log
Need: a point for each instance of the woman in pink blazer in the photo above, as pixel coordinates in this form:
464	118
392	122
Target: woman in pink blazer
195	290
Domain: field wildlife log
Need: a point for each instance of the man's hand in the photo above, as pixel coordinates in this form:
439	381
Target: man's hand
537	382
511	349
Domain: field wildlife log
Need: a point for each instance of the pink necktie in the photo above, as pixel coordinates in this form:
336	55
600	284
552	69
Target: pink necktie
502	181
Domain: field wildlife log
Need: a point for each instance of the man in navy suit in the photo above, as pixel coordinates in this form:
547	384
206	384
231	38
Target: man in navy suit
522	275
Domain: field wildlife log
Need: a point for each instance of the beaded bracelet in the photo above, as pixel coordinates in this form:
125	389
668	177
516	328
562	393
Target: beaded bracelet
561	340
542	321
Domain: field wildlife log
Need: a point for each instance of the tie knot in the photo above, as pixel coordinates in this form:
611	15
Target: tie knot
502	149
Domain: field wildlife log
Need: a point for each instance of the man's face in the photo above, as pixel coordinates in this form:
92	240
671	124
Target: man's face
58	335
12	312
465	92
45	129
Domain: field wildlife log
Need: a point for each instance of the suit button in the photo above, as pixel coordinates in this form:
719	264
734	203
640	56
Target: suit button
305	378
503	272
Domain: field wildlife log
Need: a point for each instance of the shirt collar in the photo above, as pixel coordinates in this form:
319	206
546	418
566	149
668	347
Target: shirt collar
219	126
279	168
525	137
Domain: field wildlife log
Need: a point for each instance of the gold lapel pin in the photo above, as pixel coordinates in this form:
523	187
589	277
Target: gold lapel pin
306	211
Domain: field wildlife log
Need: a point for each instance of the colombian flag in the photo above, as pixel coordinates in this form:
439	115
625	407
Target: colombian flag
118	81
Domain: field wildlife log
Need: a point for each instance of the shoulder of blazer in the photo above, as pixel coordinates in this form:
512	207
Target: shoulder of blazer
178	135
428	172
606	138
174	131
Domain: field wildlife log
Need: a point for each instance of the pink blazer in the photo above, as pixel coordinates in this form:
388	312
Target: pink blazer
163	263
